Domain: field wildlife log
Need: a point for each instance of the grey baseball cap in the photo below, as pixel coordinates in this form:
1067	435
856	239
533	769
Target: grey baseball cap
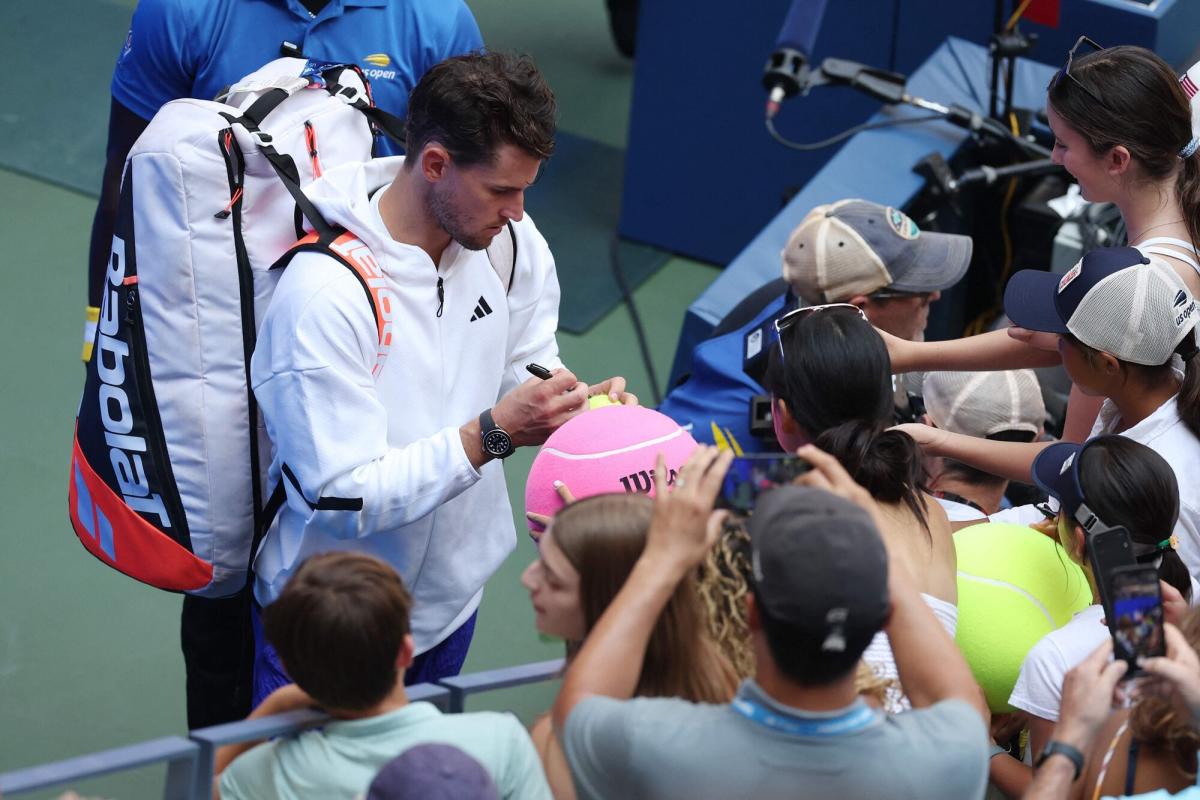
856	247
819	566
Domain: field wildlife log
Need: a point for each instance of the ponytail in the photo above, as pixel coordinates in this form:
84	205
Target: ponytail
1187	189
886	463
1172	570
1188	400
1128	484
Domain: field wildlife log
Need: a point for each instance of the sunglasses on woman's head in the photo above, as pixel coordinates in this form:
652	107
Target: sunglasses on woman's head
795	315
1065	71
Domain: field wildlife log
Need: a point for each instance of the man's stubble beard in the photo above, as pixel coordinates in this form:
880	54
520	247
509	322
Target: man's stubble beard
447	216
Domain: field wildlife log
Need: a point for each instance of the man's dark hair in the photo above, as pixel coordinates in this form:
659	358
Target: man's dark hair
472	104
798	655
338	627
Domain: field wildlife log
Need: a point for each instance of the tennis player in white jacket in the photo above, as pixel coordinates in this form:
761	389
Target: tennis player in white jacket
404	464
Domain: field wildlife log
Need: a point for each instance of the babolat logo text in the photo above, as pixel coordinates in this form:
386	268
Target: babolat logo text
116	415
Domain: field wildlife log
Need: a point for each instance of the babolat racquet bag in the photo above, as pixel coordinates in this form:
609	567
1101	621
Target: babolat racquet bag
170	455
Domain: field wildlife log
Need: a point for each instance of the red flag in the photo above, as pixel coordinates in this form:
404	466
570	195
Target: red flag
1043	12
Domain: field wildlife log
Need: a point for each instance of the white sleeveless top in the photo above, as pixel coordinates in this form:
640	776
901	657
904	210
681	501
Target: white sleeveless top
879	658
1155	246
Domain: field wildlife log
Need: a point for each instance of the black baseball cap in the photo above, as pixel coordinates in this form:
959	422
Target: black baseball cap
819	565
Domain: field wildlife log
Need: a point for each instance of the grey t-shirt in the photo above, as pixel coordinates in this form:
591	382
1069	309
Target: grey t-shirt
666	748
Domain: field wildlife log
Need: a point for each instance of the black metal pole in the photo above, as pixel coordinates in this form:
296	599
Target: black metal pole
997	30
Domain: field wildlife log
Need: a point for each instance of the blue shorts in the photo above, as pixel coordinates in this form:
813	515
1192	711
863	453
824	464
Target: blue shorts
444	660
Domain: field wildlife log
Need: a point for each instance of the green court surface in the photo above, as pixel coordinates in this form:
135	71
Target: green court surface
88	658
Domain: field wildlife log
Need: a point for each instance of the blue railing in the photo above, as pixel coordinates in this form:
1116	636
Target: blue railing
189	761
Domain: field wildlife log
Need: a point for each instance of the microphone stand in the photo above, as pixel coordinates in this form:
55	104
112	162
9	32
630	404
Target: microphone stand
890	88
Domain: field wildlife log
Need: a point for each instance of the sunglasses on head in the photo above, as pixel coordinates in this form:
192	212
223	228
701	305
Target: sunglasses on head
795	315
1065	71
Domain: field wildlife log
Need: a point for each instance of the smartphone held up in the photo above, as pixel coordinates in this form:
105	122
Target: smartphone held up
751	475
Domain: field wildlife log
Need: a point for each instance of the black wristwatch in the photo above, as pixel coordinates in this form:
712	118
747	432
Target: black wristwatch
496	441
1059	748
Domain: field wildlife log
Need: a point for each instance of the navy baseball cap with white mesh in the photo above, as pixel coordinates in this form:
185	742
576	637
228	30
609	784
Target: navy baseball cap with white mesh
1115	299
1056	472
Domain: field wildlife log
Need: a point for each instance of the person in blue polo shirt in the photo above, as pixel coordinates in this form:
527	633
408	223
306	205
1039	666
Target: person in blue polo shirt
195	48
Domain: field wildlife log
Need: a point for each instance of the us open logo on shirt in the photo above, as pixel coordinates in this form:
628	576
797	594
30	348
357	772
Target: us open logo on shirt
374	66
127	46
1071	275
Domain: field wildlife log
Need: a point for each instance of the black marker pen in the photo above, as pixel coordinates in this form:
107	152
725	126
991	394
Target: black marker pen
538	371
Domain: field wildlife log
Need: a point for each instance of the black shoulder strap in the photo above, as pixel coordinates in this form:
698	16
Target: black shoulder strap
502	253
285	168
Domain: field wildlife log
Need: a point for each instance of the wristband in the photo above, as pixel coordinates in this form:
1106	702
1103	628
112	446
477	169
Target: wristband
91	318
1053	748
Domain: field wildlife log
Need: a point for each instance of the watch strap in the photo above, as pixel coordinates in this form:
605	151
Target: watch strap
487	425
1062	749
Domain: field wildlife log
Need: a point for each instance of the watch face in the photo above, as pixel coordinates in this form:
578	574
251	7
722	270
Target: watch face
497	443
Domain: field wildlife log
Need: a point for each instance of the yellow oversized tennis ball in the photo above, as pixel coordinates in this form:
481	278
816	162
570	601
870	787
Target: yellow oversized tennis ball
1015	585
600	401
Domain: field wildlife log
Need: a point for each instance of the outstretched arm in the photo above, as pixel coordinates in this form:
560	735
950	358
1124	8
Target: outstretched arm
1011	460
1014	348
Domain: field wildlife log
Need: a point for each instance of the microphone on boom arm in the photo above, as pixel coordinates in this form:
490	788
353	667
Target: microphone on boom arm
787	72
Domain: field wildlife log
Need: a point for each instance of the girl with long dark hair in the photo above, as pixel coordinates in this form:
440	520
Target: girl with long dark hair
831	385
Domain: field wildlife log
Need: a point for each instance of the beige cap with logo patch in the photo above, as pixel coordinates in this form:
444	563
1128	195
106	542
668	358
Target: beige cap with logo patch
855	247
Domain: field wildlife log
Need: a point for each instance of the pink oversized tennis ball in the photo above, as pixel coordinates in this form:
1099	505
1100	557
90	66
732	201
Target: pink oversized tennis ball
608	449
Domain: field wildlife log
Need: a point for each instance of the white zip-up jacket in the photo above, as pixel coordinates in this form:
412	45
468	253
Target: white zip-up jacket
375	464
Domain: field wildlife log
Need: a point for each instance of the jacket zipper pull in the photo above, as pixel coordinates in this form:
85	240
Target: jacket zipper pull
441	297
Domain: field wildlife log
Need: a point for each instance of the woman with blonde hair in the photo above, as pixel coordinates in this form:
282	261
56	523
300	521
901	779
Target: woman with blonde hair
583	560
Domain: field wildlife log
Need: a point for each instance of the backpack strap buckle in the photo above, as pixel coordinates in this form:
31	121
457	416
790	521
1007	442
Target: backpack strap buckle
350	95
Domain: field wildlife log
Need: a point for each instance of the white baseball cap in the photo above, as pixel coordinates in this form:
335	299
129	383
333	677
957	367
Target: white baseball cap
983	403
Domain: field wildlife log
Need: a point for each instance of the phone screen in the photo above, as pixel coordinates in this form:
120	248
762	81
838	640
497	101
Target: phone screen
1137	623
750	476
